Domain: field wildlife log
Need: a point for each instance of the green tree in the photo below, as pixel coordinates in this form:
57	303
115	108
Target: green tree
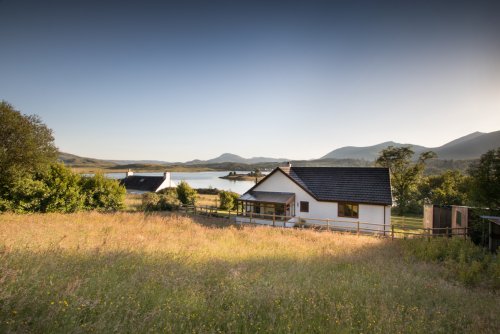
56	189
186	194
228	200
63	191
26	144
101	193
405	173
485	180
449	188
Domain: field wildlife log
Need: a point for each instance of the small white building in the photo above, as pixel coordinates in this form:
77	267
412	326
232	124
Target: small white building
138	184
344	198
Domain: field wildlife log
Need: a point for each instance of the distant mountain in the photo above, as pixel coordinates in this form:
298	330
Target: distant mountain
229	157
471	146
77	161
369	153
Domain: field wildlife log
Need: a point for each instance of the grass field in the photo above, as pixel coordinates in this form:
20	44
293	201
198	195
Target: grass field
131	272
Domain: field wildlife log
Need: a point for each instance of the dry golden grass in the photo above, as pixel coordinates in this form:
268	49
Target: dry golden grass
133	202
207	200
133	272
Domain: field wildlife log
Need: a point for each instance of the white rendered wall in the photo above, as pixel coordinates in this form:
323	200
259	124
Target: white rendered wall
166	182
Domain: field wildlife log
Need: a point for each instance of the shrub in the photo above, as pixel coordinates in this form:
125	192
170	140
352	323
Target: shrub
165	200
62	190
186	194
228	200
102	194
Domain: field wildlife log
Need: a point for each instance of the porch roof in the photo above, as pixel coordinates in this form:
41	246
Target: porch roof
267	197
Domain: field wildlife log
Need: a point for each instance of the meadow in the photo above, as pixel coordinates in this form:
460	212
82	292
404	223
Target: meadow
136	273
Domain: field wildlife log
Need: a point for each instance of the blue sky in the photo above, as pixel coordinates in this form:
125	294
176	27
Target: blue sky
181	80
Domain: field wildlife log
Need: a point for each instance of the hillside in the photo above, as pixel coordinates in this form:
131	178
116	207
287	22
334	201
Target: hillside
369	153
229	157
471	146
77	161
140	273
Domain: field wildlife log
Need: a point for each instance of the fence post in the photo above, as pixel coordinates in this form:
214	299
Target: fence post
465	233
250	217
328	224
447	232
392	232
274	219
428	234
229	214
357	228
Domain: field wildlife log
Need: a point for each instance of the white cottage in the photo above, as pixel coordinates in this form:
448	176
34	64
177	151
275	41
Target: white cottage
138	184
347	198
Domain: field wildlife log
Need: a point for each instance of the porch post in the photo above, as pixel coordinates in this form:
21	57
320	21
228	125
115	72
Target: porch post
274	214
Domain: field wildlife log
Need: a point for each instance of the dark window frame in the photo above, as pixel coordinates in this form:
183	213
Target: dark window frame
304	206
350	213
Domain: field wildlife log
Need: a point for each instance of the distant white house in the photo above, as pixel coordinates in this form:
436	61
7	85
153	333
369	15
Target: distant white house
138	184
342	195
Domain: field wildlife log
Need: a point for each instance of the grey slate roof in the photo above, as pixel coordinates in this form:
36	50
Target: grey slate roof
142	183
369	185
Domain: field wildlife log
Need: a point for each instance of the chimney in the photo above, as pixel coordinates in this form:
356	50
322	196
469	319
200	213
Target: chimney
129	173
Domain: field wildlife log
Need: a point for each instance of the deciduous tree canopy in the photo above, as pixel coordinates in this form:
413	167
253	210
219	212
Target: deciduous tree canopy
26	144
405	174
485	180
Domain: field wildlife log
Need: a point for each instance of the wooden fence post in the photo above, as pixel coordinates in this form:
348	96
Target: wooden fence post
392	232
274	219
229	215
357	228
328	224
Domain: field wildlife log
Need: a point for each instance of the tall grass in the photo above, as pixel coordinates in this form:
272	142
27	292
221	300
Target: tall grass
131	272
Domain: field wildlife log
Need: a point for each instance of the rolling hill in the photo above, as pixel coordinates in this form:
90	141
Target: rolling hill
471	146
229	157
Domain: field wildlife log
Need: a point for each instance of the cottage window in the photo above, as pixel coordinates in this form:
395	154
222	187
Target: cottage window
348	210
304	206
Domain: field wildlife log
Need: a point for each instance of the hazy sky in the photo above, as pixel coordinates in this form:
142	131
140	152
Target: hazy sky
181	80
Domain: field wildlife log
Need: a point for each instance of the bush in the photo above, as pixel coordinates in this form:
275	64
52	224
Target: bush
102	194
62	190
58	189
464	261
208	191
228	200
165	200
186	194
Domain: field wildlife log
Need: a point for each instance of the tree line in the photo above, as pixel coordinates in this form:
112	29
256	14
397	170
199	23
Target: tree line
31	178
479	186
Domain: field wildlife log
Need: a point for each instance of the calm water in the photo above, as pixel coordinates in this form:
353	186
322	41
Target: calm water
200	180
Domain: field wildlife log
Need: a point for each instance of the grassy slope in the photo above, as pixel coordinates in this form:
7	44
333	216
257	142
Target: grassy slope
127	272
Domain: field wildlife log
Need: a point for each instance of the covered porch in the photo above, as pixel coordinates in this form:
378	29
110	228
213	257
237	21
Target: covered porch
268	208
